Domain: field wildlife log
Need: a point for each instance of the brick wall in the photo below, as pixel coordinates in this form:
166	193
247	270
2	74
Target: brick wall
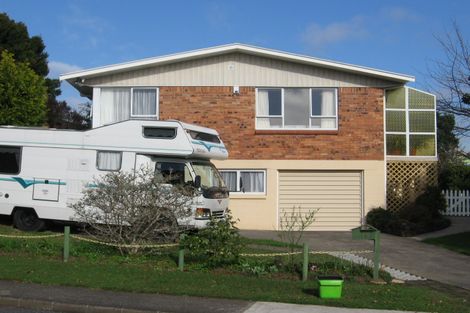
359	136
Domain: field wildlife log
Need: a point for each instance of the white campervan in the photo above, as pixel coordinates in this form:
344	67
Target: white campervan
43	171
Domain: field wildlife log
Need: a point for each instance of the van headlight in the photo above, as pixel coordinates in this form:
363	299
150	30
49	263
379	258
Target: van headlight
202	213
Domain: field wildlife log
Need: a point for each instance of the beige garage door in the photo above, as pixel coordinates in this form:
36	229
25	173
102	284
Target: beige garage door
337	195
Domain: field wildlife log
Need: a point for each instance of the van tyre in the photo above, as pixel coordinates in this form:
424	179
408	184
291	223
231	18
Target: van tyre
27	220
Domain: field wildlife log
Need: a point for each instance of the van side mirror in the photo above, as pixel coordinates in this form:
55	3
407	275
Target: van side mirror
197	181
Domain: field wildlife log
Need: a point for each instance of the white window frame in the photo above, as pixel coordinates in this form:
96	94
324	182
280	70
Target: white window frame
104	151
157	100
238	171
310	128
407	131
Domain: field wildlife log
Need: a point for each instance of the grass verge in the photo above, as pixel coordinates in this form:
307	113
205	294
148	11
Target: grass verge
148	279
155	271
457	242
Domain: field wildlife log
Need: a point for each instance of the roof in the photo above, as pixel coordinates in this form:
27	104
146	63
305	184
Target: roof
231	48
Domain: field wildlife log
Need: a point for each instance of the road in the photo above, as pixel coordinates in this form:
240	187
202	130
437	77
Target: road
17	310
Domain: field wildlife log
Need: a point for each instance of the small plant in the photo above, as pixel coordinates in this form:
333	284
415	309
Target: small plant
216	245
292	226
258	268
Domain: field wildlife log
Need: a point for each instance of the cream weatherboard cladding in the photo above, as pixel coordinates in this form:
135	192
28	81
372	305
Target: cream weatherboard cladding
237	69
336	195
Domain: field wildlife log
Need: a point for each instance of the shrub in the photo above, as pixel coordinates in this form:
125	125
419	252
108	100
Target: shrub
433	200
422	216
292	226
127	208
216	245
379	218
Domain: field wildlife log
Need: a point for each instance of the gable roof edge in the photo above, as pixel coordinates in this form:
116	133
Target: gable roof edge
237	47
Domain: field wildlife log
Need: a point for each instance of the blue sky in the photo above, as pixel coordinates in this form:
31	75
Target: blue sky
392	35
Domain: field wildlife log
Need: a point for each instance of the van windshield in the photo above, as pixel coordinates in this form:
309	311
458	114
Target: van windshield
174	173
210	177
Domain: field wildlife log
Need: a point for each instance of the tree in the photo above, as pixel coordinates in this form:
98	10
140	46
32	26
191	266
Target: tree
23	93
452	79
447	140
14	37
132	209
61	115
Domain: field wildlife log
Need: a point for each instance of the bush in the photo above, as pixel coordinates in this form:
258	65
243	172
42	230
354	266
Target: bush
420	217
127	208
433	200
216	245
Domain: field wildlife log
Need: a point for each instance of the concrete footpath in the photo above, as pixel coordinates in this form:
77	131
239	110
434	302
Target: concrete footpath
73	299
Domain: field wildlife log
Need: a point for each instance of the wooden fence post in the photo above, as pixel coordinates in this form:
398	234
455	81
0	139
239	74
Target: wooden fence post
305	263
66	243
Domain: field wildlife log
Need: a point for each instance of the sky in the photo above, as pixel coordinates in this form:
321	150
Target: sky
398	36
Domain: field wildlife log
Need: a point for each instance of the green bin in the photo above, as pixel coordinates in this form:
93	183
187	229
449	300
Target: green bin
330	286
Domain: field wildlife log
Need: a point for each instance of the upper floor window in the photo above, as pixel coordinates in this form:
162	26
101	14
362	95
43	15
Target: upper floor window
297	108
120	104
410	122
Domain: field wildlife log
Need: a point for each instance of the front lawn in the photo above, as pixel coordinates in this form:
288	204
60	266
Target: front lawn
457	242
255	279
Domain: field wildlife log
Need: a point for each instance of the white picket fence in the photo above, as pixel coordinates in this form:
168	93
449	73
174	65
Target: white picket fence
458	202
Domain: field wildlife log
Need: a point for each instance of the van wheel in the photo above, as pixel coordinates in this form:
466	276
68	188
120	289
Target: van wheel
27	220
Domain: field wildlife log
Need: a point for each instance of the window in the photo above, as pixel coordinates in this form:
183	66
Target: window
108	160
204	136
245	181
210	177
10	160
297	108
159	132
174	173
410	122
144	102
120	104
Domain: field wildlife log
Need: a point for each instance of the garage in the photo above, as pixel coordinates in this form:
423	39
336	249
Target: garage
337	195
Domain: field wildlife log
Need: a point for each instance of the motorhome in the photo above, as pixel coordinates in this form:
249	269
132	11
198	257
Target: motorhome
43	171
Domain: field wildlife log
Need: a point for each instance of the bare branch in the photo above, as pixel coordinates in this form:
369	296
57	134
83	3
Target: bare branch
134	208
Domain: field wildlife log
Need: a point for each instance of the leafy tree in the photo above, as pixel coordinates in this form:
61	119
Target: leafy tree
23	93
14	37
61	115
447	140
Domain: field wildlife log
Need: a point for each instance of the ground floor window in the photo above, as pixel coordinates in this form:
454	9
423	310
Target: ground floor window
245	181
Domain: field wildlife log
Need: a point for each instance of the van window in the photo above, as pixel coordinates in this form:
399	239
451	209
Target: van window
173	172
204	136
108	160
10	160
159	132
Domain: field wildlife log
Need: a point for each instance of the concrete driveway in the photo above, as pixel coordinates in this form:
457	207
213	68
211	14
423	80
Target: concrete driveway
406	254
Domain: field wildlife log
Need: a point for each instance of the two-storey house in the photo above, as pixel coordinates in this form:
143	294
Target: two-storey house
301	131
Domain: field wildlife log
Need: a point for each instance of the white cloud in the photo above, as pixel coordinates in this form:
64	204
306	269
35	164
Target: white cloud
398	14
81	26
217	15
318	36
57	68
